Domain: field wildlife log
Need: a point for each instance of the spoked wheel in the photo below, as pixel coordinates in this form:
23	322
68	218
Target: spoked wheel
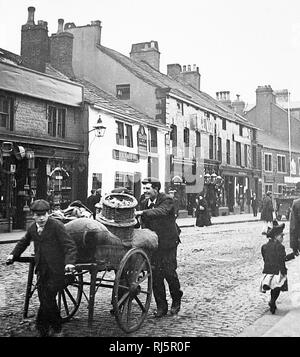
132	290
68	299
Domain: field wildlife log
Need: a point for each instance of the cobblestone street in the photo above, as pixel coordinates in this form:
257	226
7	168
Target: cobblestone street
219	268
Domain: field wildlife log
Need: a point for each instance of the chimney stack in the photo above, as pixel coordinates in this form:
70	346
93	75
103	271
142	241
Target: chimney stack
60	25
173	70
30	19
147	52
34	43
191	76
61	50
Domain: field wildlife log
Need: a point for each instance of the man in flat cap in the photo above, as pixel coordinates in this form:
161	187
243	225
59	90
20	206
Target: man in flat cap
157	214
55	254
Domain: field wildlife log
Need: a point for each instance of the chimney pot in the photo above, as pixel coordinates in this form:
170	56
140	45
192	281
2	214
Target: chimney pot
194	67
184	68
30	20
60	25
189	68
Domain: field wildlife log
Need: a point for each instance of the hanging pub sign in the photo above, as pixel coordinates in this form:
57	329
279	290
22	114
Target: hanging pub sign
142	141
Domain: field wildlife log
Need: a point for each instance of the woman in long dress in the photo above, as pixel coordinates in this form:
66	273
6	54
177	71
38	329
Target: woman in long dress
202	212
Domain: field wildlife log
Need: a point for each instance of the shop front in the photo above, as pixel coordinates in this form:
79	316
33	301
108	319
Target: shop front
29	172
237	189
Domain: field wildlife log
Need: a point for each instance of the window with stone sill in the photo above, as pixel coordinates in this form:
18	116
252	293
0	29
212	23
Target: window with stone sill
5	112
124	134
56	121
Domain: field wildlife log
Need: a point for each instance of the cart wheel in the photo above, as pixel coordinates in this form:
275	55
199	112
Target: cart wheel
68	299
132	290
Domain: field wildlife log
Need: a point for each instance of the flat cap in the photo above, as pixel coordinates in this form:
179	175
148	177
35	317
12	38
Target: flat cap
40	206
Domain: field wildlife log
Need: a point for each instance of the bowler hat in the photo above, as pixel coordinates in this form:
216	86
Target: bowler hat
275	230
40	206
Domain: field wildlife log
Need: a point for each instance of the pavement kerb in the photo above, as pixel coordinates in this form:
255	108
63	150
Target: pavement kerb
218	223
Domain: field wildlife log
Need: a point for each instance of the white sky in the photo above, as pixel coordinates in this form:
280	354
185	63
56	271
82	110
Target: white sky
237	44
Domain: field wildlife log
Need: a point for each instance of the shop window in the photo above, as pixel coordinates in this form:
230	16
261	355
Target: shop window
5	112
96	181
123	91
281	167
153	163
152	139
281	188
59	186
124	179
268	162
56	121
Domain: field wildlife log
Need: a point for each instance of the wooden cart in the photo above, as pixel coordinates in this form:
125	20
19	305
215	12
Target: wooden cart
131	287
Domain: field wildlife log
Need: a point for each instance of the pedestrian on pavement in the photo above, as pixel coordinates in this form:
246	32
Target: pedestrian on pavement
202	211
295	226
267	212
55	254
93	199
254	204
275	271
158	214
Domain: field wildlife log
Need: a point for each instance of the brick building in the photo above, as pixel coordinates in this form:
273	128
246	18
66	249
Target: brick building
278	139
42	145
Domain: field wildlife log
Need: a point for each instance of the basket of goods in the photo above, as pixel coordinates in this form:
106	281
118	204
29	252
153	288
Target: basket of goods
119	207
118	215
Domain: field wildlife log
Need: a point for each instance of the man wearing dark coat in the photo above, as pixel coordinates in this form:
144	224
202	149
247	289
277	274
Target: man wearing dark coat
157	213
295	226
254	204
55	254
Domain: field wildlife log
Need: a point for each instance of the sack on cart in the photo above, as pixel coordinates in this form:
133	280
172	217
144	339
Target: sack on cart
144	238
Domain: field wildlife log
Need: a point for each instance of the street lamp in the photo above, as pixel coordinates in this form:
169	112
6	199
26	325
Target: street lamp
213	178
99	128
207	178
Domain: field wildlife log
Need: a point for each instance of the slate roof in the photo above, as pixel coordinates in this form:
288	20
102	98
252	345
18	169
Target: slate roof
96	96
150	75
273	142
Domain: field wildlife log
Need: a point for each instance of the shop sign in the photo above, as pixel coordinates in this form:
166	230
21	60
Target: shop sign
206	124
142	141
125	156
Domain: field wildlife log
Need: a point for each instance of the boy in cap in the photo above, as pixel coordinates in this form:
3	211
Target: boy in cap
275	271
55	254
